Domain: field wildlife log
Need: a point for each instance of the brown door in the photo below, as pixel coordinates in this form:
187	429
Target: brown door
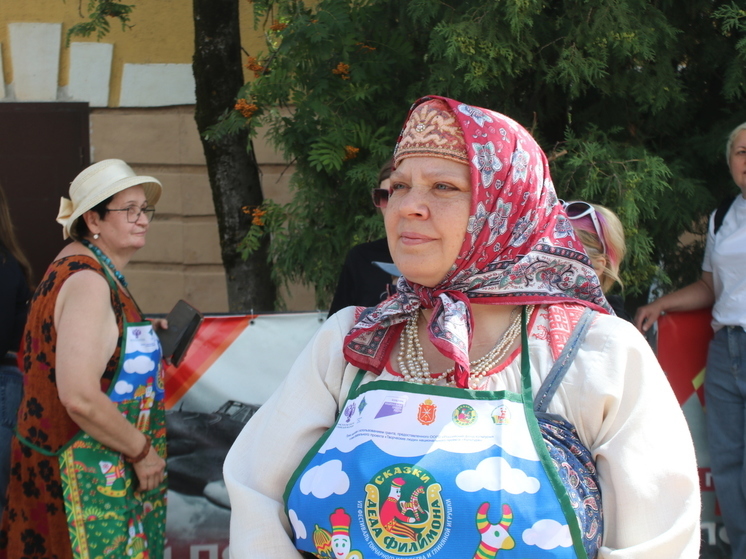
42	147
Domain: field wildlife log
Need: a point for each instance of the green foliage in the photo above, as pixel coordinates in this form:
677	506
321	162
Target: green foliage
624	177
733	20
632	99
99	14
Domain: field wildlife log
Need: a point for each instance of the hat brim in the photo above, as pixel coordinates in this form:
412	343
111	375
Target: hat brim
151	186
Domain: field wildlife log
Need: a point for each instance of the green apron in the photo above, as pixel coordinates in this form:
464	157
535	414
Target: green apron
107	517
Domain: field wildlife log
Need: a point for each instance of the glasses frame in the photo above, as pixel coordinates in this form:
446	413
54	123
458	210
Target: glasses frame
380	197
149	212
588	209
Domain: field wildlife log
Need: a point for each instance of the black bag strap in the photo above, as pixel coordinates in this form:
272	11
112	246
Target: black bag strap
721	211
557	373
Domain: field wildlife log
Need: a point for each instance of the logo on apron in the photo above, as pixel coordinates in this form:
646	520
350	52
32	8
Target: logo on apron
426	412
501	415
464	415
404	511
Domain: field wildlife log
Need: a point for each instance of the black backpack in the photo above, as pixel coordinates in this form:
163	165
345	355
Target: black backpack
721	211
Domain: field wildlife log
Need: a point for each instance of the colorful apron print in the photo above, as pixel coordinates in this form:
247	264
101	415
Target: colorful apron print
106	515
414	470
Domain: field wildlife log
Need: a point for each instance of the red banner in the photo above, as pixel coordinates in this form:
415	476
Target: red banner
683	338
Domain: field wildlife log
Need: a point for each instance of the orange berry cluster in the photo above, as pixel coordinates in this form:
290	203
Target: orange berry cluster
257	215
351	152
245	108
363	46
254	66
342	70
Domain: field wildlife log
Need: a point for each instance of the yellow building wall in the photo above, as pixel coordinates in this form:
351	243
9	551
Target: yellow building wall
162	31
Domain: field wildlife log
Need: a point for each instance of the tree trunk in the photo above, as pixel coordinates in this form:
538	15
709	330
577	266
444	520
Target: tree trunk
233	171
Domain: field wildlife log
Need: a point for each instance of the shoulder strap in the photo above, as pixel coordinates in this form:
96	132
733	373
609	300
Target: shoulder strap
356	382
721	211
114	287
557	373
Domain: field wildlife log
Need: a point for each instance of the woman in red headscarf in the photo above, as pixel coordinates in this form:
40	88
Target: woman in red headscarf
492	401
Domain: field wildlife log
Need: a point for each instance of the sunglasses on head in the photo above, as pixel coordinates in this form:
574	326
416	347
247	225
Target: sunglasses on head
380	197
578	209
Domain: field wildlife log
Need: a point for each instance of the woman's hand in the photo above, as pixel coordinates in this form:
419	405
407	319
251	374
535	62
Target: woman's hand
159	323
150	470
697	295
646	316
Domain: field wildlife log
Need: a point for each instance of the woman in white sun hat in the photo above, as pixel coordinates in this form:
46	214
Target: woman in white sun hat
88	462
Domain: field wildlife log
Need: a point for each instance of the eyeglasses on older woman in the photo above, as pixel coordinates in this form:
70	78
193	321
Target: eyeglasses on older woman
134	212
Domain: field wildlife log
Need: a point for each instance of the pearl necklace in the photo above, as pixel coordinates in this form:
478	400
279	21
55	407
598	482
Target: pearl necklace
105	260
414	367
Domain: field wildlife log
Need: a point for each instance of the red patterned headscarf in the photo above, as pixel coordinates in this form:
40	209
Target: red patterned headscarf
518	248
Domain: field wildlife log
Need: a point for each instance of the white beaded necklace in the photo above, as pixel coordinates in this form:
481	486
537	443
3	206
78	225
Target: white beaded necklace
414	367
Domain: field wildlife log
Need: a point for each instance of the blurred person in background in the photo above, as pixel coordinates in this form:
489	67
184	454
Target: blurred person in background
362	282
15	282
602	235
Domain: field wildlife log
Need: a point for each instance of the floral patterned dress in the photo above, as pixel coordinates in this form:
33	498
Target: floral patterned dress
34	524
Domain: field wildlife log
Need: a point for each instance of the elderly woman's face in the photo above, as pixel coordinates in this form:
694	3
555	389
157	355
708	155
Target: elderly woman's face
737	161
115	229
426	216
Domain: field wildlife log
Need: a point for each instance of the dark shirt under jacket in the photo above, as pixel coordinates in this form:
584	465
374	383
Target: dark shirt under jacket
14	296
361	282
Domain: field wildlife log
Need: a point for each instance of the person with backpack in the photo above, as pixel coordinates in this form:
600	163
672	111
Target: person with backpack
722	286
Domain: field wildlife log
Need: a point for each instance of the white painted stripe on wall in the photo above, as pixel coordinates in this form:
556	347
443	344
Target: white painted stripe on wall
90	73
35	55
2	76
157	85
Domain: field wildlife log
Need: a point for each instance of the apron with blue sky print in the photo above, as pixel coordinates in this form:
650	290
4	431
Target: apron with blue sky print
107	516
421	471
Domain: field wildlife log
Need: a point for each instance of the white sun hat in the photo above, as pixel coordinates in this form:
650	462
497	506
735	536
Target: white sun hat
98	182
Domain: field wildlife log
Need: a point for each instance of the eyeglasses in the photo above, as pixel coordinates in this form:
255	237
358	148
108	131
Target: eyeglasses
133	213
380	197
576	210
